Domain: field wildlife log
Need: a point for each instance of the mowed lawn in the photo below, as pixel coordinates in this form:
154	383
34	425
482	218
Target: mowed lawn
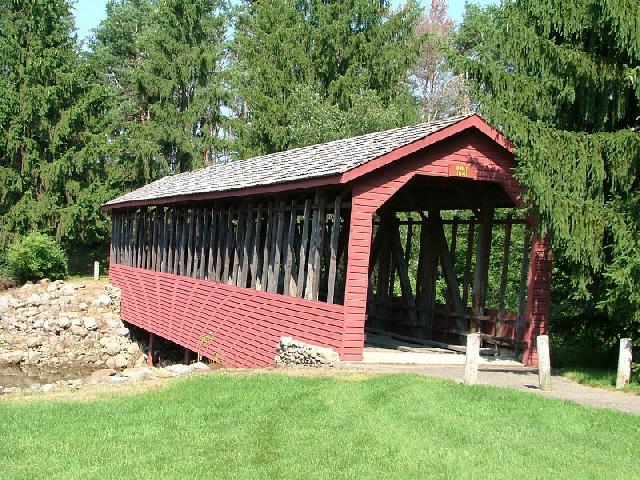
278	426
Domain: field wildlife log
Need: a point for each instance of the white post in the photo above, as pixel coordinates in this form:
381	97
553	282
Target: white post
624	363
472	359
96	270
544	362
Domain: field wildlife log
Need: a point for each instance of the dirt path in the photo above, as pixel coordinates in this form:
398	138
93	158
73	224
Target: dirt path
525	379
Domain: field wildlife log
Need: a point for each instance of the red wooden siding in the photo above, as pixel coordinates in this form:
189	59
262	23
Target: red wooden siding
538	296
246	324
370	192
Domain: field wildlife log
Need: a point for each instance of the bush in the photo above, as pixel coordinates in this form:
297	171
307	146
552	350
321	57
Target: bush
36	256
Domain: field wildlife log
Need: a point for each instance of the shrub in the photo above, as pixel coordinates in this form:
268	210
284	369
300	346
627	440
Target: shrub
36	256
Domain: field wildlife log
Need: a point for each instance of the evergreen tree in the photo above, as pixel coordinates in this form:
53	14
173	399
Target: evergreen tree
302	65
50	127
562	80
163	61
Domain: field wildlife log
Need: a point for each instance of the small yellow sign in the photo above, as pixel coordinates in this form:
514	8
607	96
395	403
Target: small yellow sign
462	170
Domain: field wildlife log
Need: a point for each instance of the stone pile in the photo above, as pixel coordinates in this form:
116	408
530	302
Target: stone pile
57	325
295	352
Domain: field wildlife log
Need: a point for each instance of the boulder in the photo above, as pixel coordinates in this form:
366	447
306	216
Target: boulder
137	373
68	290
79	331
64	323
120	361
4	304
48	387
162	373
123	332
11	358
179	369
34	341
103	373
90	323
104	299
199	366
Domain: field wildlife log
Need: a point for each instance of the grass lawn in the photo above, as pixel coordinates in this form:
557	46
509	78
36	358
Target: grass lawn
598	377
278	426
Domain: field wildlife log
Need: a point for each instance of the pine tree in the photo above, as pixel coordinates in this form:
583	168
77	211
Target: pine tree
302	65
562	80
163	62
50	111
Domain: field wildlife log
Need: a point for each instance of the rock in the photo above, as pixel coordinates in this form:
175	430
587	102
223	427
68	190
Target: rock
138	373
44	281
34	342
79	331
123	332
34	299
77	383
11	358
120	361
4	304
90	323
162	373
199	366
83	306
104	299
52	288
38	324
68	290
142	360
48	387
27	286
63	323
179	369
117	379
103	373
30	312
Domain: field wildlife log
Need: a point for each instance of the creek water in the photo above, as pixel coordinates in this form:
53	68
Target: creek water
18	377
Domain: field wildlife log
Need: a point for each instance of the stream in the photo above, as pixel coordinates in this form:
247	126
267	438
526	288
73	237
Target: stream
18	377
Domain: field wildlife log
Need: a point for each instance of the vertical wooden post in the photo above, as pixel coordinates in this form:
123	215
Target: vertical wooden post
505	264
544	362
221	245
246	248
409	242
274	282
472	359
96	270
289	285
335	231
624	363
466	278
228	258
255	251
213	245
204	243
481	274
152	343
304	248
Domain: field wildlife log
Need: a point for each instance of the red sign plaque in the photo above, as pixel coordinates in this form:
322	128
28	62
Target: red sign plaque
463	170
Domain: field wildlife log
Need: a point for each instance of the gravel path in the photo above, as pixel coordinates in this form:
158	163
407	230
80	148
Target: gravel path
520	378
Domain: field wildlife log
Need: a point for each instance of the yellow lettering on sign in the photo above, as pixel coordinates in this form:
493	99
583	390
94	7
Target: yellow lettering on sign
462	170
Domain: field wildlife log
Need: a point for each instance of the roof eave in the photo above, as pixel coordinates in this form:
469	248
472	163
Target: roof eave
473	121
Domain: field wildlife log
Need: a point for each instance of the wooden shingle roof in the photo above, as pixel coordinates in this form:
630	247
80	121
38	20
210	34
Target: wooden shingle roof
315	161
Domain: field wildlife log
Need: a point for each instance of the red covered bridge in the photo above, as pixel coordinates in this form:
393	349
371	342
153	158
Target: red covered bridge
417	231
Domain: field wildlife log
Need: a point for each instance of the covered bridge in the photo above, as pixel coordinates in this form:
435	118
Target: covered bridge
418	231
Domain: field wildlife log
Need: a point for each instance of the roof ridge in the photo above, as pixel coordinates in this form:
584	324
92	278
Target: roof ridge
301	163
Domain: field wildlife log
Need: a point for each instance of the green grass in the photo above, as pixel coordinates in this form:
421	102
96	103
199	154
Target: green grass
598	377
275	426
